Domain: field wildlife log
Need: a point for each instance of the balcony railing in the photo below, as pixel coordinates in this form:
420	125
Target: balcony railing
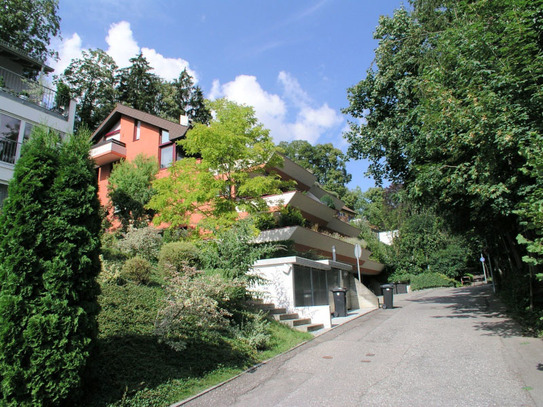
8	150
33	91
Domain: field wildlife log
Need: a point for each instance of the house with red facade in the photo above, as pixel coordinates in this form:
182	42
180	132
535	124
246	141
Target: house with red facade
296	283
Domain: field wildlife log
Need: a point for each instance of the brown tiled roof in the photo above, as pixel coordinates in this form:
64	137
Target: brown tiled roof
176	130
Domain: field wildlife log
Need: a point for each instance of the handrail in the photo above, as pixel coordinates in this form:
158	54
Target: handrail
8	150
34	92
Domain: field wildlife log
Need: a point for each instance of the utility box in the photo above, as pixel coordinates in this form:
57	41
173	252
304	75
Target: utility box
340	301
388	295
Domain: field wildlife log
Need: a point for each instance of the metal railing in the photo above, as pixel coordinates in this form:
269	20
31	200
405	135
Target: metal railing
33	91
8	150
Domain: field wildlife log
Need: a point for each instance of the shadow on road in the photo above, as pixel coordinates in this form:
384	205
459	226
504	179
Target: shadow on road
475	302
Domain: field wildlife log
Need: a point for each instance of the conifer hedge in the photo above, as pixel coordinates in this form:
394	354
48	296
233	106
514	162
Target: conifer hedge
49	260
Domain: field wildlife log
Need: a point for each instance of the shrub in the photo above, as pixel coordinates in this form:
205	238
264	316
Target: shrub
137	269
291	216
144	242
175	255
254	330
265	221
233	251
430	280
193	311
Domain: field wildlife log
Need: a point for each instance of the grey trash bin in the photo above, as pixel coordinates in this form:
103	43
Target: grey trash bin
340	301
388	295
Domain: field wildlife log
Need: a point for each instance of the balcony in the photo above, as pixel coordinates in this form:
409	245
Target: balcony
8	150
108	151
32	91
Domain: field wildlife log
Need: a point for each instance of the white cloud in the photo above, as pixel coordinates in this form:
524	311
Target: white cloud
121	47
67	50
301	121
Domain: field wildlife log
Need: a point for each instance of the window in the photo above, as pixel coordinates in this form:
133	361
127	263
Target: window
310	287
137	130
164	136
166	155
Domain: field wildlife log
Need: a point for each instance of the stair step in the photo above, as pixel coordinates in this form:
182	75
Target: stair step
294	323
283	317
309	327
264	306
277	311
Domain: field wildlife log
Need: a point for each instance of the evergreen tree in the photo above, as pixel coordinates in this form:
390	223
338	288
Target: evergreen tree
139	87
49	250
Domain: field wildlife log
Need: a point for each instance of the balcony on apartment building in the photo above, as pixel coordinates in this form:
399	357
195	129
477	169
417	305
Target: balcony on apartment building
108	151
32	91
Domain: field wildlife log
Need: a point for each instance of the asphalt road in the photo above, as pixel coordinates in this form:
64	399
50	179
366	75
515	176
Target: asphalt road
442	347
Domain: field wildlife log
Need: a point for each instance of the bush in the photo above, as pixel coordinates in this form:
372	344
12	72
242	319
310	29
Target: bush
193	311
254	330
137	269
175	255
291	216
144	242
430	280
265	221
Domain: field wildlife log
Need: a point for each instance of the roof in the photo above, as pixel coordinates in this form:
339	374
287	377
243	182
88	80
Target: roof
22	57
176	130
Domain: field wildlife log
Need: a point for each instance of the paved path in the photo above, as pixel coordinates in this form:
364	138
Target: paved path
443	347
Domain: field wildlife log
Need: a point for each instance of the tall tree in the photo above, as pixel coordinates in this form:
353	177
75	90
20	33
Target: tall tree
325	161
30	25
49	250
234	149
139	87
182	97
92	81
455	94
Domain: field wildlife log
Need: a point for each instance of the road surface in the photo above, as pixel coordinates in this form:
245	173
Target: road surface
441	347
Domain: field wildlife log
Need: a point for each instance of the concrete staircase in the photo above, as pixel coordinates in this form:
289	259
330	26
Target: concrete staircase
291	319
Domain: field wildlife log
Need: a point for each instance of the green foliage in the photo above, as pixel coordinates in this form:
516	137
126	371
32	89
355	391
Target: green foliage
144	242
233	252
30	25
139	87
290	216
138	270
91	81
253	330
49	260
229	177
431	280
181	97
264	221
193	312
328	201
451	110
425	244
130	189
325	161
174	256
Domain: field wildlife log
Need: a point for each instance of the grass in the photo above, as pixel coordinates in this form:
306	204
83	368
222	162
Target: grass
131	367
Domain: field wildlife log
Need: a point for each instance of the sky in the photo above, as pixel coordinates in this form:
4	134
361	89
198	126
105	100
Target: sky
292	60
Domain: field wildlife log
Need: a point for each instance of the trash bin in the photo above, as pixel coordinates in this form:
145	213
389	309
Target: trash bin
340	301
388	295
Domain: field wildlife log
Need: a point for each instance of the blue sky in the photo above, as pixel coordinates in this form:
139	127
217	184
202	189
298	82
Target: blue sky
292	60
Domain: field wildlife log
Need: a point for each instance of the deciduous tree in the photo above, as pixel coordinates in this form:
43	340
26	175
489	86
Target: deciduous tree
229	176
